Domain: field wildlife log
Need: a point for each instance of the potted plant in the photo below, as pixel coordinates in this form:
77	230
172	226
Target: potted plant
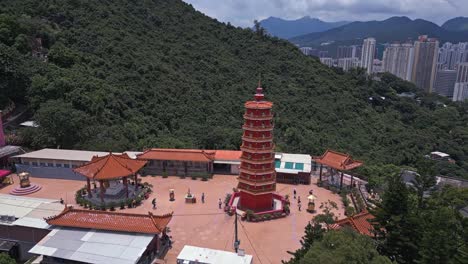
122	204
204	177
164	174
129	203
194	177
249	215
112	206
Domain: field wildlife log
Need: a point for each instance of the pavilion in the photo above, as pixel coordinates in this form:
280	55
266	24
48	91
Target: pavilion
337	161
108	171
361	223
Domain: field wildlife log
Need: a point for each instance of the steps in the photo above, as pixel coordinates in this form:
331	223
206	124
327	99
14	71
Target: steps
25	191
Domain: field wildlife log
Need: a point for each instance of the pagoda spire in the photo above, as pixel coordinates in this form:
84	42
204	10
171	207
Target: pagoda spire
259	96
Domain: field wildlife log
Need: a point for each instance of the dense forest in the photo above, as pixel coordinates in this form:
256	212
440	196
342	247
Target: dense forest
128	75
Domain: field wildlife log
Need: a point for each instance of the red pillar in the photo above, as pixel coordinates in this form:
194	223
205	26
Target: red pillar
125	182
101	185
88	187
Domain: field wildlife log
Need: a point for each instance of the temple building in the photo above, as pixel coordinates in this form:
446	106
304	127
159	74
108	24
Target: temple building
178	162
361	223
84	236
257	175
336	163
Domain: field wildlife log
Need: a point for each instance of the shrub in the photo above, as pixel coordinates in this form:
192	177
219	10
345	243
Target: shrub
204	178
249	215
112	206
164	174
349	211
227	198
194	177
122	204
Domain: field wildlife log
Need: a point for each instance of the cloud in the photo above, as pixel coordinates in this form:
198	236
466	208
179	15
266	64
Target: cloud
244	12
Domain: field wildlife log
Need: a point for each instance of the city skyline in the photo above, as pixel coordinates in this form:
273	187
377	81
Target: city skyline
243	13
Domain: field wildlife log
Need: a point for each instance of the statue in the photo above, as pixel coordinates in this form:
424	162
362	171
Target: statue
24	179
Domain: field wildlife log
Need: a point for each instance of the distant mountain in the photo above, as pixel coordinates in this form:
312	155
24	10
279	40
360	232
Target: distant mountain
290	28
456	24
389	30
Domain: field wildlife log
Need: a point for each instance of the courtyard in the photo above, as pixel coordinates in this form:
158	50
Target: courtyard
204	224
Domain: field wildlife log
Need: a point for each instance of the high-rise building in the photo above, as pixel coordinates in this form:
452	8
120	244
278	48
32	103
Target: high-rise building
445	82
460	92
327	61
450	55
344	52
398	59
368	53
424	65
347	63
309	51
356	52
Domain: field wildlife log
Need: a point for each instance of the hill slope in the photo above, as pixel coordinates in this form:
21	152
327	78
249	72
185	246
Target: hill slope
291	28
124	75
389	30
456	24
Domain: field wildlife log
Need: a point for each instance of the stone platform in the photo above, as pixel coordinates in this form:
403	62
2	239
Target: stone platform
25	191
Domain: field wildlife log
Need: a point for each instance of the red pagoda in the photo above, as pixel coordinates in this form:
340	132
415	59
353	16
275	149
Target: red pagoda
257	176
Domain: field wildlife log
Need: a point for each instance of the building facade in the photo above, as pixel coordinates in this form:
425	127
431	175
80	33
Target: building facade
327	61
445	82
460	91
368	54
424	66
347	63
398	60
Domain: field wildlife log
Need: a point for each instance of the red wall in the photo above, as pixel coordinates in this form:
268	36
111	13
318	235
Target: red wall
256	202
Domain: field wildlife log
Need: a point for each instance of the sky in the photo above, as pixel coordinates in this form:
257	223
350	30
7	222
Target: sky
244	12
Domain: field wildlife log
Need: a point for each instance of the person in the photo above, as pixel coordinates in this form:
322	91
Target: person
203	197
153	202
299	199
220	203
299	205
294	192
61	200
311	192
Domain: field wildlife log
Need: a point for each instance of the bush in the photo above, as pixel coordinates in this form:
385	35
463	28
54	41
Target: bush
164	175
204	178
112	206
227	198
194	177
249	215
122	204
349	211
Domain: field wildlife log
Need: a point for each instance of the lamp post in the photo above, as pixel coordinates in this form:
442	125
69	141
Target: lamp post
236	240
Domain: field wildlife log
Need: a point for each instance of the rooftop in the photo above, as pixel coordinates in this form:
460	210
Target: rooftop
212	256
110	166
93	246
233	155
359	222
111	221
63	154
178	154
338	160
9	150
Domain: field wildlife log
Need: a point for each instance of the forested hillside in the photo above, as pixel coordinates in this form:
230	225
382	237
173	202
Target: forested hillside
123	75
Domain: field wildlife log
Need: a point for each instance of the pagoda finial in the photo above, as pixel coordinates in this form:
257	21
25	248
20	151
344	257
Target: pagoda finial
259	92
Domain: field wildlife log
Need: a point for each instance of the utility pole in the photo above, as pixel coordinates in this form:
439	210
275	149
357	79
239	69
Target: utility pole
236	240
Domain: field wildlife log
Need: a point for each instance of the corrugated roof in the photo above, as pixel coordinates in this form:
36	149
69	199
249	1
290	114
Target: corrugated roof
93	246
178	154
111	221
110	167
338	160
63	154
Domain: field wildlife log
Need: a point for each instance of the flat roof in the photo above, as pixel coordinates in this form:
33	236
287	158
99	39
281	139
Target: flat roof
300	158
28	211
212	256
93	246
63	154
438	153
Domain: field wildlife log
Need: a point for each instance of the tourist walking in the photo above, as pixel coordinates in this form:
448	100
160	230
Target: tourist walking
203	197
220	203
153	202
294	192
299	204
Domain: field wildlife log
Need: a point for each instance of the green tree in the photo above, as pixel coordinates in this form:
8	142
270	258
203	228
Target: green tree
313	232
343	247
6	259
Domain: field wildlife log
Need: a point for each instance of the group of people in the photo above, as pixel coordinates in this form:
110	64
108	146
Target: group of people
153	202
299	204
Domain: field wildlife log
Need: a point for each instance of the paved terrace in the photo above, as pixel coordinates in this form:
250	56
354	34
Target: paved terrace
205	225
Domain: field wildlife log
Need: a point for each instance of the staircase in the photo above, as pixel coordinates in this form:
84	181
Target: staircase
25	191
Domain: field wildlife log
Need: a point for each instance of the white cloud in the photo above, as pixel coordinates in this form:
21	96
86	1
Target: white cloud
243	12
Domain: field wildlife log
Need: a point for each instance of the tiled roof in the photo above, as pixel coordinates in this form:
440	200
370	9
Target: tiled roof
359	222
111	221
110	167
338	160
178	154
228	155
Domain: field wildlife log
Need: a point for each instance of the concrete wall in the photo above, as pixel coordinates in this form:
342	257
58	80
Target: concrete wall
50	172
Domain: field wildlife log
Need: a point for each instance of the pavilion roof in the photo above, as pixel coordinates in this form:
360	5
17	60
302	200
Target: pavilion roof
110	167
338	160
178	154
359	222
111	221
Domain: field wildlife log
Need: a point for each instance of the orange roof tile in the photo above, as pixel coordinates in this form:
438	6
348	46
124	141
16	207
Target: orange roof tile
228	154
111	221
258	104
110	167
178	154
338	160
359	222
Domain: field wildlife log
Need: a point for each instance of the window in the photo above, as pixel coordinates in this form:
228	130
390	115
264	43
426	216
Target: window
74	166
50	164
26	162
58	165
66	165
288	165
43	164
299	166
277	164
34	163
